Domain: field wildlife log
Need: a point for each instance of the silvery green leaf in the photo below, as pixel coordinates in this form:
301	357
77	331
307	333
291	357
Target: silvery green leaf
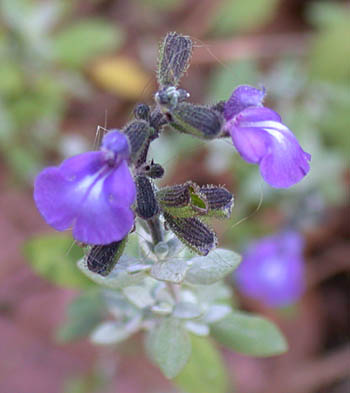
216	312
212	293
186	310
132	246
169	346
161	250
249	334
119	276
116	303
200	329
162	308
170	270
113	332
139	296
188	296
206	371
109	333
138	268
175	246
161	293
213	267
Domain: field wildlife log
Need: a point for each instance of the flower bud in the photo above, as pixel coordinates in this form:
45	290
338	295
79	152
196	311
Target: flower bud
196	120
183	200
102	259
174	58
157	120
138	133
152	170
142	112
193	233
147	206
220	201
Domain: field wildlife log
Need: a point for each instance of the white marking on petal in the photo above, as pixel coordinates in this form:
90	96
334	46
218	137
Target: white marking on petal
270	124
277	135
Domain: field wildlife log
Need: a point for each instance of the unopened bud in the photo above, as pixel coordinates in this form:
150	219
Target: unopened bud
193	233
157	120
152	170
183	200
138	133
196	120
142	112
220	201
101	259
147	206
219	106
174	58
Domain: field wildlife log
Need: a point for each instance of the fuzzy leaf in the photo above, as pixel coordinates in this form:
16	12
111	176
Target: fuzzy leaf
213	267
205	372
119	277
169	270
139	296
186	310
249	334
169	346
197	328
109	333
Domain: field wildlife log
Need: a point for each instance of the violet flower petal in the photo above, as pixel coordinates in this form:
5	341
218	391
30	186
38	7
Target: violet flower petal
272	271
115	142
261	138
86	193
243	97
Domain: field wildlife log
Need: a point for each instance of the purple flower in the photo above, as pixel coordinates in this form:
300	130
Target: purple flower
261	138
272	269
91	192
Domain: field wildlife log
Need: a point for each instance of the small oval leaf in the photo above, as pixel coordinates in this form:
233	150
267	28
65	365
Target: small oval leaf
119	276
249	334
205	372
213	267
169	346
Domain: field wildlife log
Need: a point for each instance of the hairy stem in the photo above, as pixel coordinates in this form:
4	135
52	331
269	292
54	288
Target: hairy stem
155	229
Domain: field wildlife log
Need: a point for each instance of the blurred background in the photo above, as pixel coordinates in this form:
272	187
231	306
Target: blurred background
69	66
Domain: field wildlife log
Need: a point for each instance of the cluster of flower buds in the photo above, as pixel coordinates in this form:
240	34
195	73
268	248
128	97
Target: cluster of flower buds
99	193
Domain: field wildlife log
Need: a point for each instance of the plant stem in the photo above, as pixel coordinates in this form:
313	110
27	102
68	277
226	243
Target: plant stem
155	229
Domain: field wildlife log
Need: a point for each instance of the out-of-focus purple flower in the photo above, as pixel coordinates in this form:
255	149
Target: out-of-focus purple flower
261	138
91	192
272	269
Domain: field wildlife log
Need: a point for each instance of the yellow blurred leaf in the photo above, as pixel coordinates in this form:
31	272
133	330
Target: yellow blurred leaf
121	75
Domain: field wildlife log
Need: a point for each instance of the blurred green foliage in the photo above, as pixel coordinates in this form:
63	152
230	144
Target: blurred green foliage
204	356
163	5
330	55
85	312
54	257
43	58
242	15
249	334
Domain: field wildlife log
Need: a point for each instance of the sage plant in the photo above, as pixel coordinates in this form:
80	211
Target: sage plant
172	285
